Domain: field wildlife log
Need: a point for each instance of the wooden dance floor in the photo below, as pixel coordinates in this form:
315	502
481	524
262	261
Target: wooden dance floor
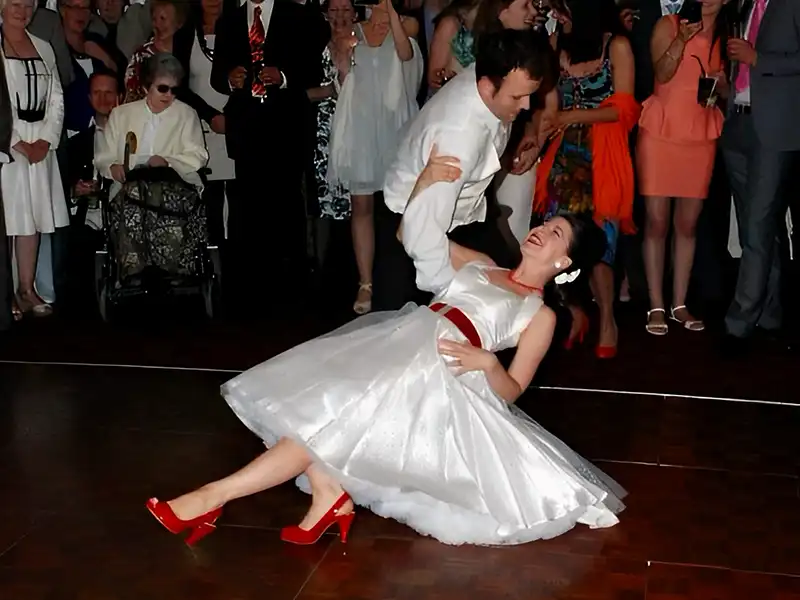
713	511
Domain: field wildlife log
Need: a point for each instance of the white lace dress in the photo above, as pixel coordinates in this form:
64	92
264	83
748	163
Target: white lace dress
380	409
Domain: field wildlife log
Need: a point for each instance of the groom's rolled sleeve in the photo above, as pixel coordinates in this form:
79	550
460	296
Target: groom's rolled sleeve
429	216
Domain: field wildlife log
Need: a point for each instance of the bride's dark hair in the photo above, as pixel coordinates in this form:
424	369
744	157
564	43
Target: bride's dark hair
588	242
586	249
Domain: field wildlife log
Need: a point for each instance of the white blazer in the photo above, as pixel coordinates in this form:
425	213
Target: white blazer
178	139
48	130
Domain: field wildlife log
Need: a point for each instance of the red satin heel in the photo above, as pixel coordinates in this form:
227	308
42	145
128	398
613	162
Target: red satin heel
303	537
605	352
199	527
578	336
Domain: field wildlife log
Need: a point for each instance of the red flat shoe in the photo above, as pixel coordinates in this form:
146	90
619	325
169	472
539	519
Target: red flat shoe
199	527
605	352
295	535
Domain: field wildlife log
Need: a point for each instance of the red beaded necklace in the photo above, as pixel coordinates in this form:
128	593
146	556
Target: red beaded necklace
534	290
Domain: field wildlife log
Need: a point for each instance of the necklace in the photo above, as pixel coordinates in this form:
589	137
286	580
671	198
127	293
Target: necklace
534	290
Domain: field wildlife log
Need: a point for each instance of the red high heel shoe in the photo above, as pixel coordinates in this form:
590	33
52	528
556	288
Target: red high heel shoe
295	535
579	335
199	527
605	352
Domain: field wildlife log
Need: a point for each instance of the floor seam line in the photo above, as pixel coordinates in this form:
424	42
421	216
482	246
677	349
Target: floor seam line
314	570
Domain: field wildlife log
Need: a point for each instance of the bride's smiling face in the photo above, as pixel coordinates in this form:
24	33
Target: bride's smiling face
549	243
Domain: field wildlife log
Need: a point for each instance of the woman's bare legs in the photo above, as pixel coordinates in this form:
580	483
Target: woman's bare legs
26	252
325	491
282	462
653	250
362	226
602	284
687	211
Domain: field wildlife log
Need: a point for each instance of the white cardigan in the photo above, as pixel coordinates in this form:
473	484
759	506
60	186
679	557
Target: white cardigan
178	140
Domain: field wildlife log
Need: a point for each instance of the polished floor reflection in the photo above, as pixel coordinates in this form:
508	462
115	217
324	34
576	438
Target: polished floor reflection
713	511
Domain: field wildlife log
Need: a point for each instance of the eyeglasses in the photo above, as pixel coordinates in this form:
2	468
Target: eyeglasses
167	89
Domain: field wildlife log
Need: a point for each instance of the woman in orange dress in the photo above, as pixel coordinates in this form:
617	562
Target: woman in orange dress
676	150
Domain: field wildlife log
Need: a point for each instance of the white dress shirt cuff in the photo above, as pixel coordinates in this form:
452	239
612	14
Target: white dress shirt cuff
4	158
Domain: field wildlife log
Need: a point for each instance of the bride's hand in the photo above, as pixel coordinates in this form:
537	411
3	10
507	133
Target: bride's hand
439	168
467	357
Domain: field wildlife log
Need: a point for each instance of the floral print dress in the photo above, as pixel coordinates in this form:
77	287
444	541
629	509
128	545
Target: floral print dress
334	200
570	179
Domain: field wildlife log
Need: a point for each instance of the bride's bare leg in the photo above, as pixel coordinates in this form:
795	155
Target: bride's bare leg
325	491
279	464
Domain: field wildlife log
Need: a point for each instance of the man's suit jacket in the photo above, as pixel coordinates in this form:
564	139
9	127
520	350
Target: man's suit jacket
775	79
6	284
293	45
46	24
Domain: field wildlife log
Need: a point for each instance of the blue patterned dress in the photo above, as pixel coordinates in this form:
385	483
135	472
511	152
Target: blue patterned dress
463	46
570	179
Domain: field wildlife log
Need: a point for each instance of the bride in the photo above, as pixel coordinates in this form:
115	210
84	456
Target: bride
410	413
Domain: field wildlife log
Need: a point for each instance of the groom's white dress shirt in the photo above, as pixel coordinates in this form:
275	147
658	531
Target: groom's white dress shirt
458	121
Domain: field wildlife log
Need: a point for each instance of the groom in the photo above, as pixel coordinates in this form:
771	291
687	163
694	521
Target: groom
469	118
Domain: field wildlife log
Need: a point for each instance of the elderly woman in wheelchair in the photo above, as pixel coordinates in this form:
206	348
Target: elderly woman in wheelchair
154	152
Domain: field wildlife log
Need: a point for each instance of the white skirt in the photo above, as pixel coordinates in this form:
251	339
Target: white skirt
377	406
33	196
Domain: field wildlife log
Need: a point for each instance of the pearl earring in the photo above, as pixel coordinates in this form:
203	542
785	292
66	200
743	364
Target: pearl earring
558	265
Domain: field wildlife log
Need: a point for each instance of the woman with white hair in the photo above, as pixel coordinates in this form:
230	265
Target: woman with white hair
33	195
168	132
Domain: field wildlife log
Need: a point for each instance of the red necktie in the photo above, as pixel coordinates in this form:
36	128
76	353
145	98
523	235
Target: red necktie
257	37
743	78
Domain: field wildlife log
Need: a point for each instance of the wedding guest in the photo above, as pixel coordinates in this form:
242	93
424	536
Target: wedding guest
587	168
266	55
452	47
761	145
33	195
6	283
168	16
128	26
168	132
333	199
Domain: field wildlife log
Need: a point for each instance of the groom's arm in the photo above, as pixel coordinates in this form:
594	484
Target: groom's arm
427	219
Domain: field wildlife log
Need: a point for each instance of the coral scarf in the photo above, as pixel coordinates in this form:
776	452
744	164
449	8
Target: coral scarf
612	168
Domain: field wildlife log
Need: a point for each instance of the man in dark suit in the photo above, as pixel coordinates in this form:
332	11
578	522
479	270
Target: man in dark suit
761	145
6	285
267	54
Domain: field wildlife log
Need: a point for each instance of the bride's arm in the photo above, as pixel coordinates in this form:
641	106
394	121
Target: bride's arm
532	346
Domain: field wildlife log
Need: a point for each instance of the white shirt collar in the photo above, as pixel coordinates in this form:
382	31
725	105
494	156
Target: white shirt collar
264	3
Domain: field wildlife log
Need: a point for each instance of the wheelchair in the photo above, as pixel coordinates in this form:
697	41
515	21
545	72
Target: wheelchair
155	242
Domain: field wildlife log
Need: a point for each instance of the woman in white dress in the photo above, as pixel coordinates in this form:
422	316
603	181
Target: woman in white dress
410	414
33	195
378	97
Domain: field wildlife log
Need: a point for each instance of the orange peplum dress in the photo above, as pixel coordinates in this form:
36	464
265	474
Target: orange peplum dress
677	136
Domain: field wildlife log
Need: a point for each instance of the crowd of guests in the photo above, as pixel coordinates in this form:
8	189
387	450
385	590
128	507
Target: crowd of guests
279	111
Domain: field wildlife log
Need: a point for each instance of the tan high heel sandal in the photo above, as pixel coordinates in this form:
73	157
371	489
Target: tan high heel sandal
364	306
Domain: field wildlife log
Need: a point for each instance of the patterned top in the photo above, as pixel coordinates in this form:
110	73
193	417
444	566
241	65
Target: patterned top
134	90
463	46
670	7
587	91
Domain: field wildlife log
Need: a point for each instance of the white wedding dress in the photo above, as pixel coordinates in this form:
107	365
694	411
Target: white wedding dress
378	407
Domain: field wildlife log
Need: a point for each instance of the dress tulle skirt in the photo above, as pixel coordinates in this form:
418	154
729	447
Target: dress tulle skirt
379	408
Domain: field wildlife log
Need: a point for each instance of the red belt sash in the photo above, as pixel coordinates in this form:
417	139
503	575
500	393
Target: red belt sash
460	320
